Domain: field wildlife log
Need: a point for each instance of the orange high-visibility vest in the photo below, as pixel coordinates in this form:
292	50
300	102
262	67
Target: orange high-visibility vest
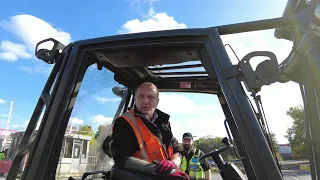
151	147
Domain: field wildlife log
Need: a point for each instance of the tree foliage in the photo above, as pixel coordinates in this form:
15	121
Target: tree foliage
88	131
274	142
209	143
296	133
100	128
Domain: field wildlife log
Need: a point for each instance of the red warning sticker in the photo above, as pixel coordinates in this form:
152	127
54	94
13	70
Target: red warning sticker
185	85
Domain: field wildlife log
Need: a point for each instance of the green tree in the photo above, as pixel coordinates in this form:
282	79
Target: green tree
87	130
209	143
274	142
100	128
296	133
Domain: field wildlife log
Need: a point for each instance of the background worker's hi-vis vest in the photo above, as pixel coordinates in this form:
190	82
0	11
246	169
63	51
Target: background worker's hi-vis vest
195	169
151	148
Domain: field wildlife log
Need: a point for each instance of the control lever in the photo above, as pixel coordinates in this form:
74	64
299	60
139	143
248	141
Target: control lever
106	175
216	152
226	169
226	141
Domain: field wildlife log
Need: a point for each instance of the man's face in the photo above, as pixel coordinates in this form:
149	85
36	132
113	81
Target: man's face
146	100
187	143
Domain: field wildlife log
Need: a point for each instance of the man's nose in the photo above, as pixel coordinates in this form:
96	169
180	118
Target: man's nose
145	100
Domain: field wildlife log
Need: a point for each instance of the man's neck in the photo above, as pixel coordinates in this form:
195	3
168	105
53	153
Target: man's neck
153	117
150	117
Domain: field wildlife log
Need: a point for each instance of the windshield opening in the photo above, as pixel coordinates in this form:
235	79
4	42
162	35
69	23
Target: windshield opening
96	106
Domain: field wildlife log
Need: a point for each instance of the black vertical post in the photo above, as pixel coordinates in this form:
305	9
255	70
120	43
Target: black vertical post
308	135
237	138
216	61
312	93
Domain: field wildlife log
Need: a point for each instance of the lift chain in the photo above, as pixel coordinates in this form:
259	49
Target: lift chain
264	125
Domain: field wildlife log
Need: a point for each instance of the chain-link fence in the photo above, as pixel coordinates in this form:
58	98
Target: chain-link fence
98	161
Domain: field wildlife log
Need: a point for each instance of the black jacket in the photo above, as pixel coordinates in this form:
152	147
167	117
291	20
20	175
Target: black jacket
125	142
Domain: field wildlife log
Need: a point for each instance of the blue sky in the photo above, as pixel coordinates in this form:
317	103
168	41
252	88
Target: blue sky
23	76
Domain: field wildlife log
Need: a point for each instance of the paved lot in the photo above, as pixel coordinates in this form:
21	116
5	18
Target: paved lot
288	175
296	175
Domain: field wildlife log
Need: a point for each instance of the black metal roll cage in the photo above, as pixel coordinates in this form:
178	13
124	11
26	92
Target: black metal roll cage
223	78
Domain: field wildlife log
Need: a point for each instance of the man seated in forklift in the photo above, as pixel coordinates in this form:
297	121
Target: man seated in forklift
190	161
143	136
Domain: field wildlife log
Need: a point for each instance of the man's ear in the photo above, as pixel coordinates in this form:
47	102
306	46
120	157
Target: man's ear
134	98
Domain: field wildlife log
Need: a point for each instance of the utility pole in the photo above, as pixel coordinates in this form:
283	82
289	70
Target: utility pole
4	142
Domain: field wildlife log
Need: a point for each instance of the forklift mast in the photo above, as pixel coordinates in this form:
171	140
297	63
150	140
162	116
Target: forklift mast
130	56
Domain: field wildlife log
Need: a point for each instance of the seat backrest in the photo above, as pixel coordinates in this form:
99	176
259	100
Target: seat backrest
106	146
112	151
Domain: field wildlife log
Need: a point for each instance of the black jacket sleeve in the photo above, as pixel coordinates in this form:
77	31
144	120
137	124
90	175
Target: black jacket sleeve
176	147
124	142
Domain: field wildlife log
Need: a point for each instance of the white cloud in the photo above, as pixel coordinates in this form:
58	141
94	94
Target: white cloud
10	51
29	30
3	119
195	116
188	105
3	115
153	22
105	99
2	101
150	2
76	121
101	120
38	69
23	126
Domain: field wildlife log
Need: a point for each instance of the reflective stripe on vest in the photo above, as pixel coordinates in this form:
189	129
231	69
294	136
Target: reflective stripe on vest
195	169
150	146
136	128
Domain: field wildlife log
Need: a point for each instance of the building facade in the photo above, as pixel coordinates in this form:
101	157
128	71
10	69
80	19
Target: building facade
73	156
5	138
